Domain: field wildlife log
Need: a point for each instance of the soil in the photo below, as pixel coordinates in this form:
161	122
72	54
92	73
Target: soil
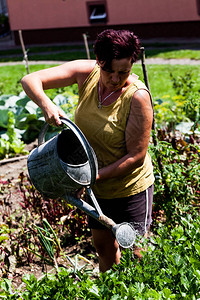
10	170
10	204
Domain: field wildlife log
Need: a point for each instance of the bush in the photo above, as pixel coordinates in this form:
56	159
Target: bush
177	178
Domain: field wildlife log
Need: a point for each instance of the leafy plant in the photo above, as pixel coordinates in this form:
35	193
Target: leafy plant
10	144
169	111
54	210
177	184
21	121
67	101
49	241
21	108
14	240
184	85
172	112
170	269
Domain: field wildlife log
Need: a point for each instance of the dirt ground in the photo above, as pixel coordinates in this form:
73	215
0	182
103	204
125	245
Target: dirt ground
12	167
10	170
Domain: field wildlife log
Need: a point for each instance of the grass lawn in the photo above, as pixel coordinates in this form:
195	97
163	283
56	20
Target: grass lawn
170	53
10	77
159	77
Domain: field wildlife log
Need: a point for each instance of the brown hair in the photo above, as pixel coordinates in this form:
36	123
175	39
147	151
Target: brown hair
116	44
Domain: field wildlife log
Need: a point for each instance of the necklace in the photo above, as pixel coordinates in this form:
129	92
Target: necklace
102	101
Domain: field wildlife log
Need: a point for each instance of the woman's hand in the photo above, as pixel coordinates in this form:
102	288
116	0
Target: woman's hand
52	114
80	194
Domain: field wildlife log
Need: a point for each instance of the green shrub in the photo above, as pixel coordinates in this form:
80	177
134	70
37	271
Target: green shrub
177	181
170	269
10	143
27	120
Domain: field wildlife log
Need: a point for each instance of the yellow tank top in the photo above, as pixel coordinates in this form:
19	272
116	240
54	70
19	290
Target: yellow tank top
105	130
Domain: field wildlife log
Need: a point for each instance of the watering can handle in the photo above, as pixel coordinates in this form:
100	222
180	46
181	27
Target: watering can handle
88	149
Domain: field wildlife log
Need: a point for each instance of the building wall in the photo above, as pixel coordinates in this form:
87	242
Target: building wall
45	14
152	11
54	21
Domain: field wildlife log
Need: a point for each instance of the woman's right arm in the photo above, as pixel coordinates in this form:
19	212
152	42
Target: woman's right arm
67	74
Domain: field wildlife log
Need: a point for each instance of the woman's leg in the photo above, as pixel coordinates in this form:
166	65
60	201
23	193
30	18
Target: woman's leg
136	210
107	248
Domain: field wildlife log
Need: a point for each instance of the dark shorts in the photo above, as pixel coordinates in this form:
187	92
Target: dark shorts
136	209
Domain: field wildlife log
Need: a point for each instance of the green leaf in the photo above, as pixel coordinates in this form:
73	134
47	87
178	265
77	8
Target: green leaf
31	107
197	248
116	297
185	282
3	237
94	290
197	273
3	117
6	285
17	146
167	293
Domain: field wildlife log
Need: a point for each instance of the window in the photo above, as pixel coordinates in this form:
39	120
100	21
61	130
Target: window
97	12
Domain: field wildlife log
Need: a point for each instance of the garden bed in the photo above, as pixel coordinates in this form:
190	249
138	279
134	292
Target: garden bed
12	206
170	269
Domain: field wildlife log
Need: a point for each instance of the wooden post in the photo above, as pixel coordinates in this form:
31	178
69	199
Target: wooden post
154	131
86	45
146	80
24	51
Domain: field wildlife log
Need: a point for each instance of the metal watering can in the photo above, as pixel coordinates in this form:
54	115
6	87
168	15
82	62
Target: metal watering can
65	163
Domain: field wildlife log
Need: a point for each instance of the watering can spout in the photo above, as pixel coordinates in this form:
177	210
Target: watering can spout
124	232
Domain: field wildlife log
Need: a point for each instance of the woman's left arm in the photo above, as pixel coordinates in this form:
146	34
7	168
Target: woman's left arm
137	137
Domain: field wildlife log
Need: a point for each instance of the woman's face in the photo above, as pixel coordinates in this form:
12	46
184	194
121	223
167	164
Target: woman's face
116	77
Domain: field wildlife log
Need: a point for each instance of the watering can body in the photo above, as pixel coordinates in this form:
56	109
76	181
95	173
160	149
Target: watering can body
63	164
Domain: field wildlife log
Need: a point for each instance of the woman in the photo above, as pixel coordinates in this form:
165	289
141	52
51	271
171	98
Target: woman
115	114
